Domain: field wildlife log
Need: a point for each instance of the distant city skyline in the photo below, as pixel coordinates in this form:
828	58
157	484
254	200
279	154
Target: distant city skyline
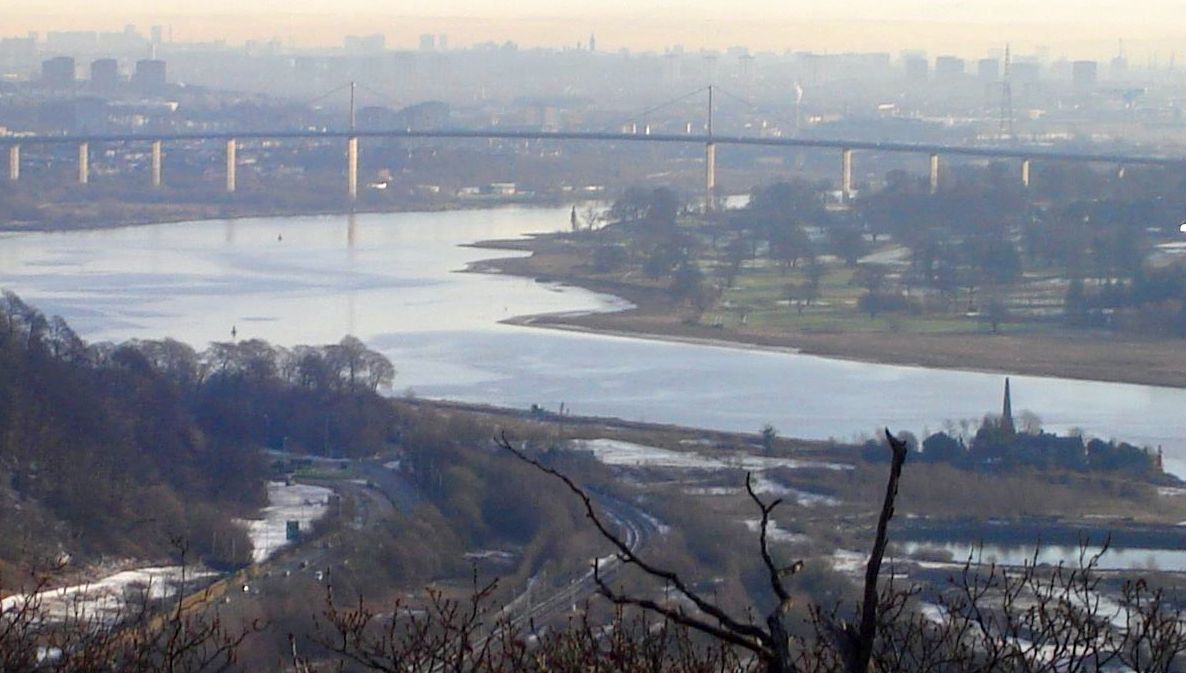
1092	29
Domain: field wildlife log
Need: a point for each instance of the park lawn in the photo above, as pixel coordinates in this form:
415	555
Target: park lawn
761	295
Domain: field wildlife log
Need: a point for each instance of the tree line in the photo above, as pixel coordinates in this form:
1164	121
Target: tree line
116	448
968	246
980	618
996	445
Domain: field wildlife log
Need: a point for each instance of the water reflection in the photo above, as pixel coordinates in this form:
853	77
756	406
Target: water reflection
1173	560
290	281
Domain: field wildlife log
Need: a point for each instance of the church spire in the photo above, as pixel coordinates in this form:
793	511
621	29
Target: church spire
1007	411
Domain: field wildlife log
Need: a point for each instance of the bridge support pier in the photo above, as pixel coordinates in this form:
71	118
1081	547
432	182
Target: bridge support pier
84	163
934	173
845	174
232	148
14	162
352	168
1025	173
156	163
710	177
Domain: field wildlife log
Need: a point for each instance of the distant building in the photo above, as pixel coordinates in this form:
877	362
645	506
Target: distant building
988	69
949	69
18	52
1025	72
592	42
105	75
73	115
365	44
1084	75
428	42
424	116
58	73
672	68
150	76
1118	68
442	41
127	41
917	69
72	41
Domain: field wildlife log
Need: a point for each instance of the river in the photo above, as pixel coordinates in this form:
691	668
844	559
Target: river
391	279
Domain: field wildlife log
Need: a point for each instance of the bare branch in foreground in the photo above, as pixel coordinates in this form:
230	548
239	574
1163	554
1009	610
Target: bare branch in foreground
772	645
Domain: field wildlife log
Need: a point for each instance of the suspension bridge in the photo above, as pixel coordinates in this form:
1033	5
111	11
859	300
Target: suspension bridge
1024	154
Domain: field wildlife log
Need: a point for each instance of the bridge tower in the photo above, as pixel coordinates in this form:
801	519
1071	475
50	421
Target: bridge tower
352	154
1006	117
1025	173
710	163
84	163
845	174
156	163
352	168
232	149
934	173
14	162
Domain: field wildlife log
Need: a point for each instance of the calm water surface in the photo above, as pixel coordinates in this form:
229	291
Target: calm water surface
1016	555
392	280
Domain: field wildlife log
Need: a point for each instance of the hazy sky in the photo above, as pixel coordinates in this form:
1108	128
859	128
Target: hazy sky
967	27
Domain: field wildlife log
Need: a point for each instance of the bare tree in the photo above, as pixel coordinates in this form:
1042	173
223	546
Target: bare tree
136	639
986	619
1036	619
447	636
770	643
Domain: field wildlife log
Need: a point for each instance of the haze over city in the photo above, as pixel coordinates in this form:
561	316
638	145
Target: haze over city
554	337
1067	29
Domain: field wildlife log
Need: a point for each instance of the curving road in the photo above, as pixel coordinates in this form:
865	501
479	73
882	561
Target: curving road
638	529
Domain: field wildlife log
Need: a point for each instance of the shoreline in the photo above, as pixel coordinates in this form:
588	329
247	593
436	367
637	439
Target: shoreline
1074	355
553	321
105	224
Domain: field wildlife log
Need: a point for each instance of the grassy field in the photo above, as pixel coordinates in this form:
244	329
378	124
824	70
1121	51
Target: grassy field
756	311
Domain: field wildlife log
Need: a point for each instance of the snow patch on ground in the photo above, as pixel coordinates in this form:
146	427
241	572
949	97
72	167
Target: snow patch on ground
628	454
769	486
762	485
106	599
659	526
286	502
802	498
774	533
809	499
898	254
847	561
933	613
713	490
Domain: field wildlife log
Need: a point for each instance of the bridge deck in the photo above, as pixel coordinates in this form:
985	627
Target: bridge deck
1018	152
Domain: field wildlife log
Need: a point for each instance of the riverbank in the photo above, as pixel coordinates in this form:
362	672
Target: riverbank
1053	352
136	215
